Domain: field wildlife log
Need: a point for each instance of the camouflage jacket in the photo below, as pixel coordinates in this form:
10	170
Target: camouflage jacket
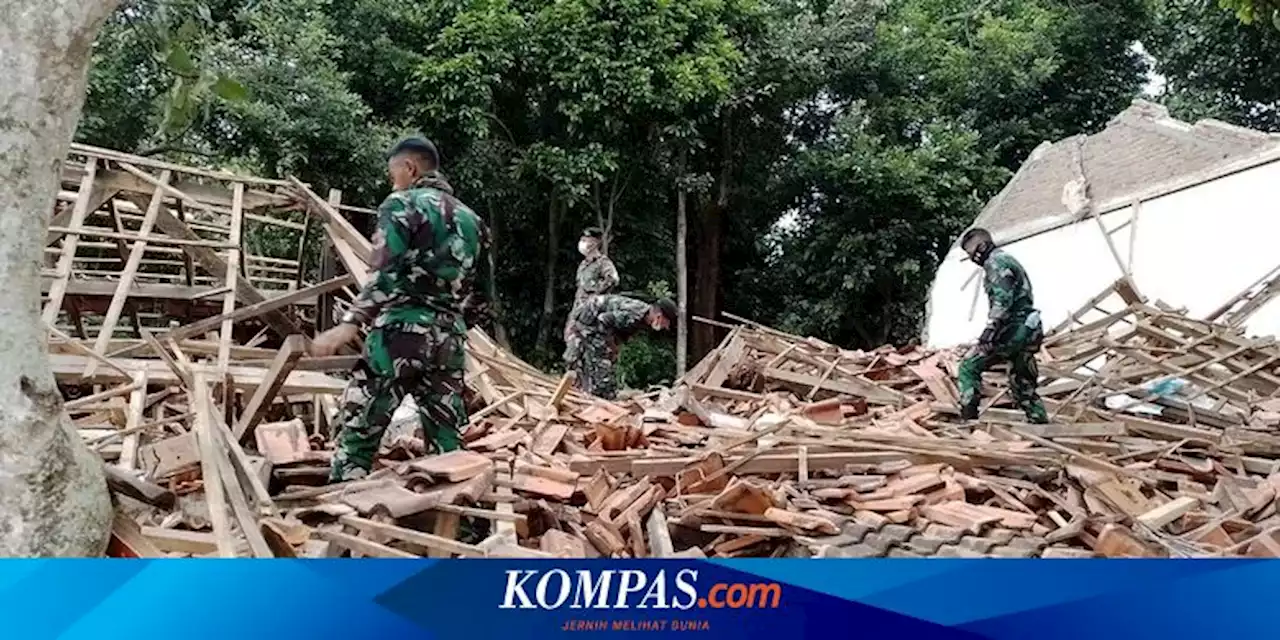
602	321
431	253
596	275
1008	292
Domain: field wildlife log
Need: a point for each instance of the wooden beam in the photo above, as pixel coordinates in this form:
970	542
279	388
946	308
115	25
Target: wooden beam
209	259
266	392
232	280
362	546
249	526
127	540
413	537
101	195
68	368
209	452
180	541
241	459
343	229
137	411
68	257
121	295
854	387
251	311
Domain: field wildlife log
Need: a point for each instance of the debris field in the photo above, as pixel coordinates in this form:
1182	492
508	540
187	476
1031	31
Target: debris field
180	343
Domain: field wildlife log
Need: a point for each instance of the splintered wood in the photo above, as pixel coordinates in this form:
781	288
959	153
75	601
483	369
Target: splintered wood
181	353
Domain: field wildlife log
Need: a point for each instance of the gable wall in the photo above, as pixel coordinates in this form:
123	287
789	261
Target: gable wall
1195	248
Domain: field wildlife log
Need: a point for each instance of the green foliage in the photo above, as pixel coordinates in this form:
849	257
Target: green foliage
1249	11
644	361
876	130
1215	66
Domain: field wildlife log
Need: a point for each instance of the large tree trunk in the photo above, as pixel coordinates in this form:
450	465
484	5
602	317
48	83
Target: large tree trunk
710	240
706	292
53	496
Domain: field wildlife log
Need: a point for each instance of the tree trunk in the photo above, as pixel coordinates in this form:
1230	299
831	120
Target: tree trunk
53	496
710	240
499	331
549	294
682	270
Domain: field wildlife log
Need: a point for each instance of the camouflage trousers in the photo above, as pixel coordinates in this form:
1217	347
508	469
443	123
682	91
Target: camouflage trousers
1024	375
425	362
592	362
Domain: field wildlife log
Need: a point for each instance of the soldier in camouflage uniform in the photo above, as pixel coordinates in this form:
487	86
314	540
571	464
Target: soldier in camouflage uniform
428	251
596	273
598	327
1013	333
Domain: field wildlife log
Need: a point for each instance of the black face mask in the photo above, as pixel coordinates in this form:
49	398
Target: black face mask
980	253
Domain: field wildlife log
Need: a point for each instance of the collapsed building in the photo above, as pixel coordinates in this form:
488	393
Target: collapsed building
179	340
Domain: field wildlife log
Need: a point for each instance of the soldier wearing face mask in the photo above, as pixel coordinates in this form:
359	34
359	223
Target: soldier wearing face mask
596	273
1013	333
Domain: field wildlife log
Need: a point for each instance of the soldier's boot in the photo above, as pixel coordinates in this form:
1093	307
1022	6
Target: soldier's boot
969	410
341	472
1036	413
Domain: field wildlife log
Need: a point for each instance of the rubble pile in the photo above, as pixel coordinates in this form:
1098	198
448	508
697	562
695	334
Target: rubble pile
1161	440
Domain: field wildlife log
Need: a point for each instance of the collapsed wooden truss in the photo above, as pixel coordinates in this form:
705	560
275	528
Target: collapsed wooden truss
180	341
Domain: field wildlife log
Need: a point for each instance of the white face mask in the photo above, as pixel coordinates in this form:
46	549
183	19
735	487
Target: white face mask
584	247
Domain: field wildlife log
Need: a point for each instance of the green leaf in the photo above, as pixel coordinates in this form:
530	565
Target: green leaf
188	31
230	90
180	61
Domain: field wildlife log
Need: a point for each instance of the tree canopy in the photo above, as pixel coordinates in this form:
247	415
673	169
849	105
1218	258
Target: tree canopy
831	150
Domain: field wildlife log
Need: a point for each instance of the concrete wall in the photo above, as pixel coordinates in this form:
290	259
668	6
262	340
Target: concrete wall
1194	248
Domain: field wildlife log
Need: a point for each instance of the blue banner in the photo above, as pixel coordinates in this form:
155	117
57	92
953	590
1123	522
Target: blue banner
738	599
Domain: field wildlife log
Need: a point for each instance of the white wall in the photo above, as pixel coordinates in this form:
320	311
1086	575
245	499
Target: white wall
1195	248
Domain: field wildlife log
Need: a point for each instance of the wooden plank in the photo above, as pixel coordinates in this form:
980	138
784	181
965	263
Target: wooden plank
121	295
102	194
137	411
413	537
728	358
241	459
249	526
1076	430
209	452
1168	512
849	386
660	545
181	541
127	540
69	369
446	526
762	464
208	259
67	260
357	243
362	546
232	279
250	311
272	381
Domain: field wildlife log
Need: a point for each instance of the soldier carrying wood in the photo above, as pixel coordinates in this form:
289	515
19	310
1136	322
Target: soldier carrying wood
429	251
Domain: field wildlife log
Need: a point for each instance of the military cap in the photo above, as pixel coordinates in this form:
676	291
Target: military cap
418	145
668	309
975	233
593	232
